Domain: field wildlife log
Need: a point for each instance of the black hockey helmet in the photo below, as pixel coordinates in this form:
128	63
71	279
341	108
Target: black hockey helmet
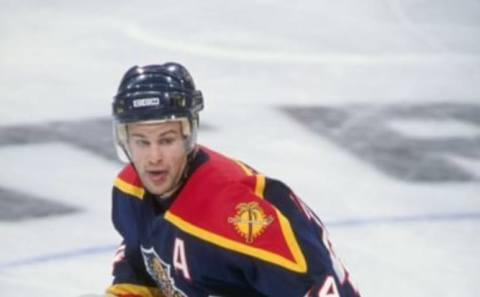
157	93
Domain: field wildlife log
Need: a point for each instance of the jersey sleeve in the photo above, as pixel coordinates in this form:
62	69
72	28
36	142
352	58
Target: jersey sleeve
129	276
324	275
265	239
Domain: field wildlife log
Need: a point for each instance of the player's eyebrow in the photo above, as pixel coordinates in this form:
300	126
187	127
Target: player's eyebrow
141	135
169	132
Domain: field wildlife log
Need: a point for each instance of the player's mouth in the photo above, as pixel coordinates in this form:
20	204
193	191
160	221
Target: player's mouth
157	176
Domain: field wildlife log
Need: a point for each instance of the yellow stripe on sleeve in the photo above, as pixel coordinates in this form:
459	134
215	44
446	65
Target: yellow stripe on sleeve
260	186
127	188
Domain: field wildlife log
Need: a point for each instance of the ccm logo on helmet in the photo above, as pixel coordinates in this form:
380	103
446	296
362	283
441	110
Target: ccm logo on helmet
146	102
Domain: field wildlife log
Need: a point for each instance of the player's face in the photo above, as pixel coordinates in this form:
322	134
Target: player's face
158	153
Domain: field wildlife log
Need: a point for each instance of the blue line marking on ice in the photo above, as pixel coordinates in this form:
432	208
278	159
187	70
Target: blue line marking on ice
428	218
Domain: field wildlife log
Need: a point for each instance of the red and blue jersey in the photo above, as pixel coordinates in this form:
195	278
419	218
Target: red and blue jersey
229	231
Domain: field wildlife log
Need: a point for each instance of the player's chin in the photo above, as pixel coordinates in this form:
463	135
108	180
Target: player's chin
158	189
155	189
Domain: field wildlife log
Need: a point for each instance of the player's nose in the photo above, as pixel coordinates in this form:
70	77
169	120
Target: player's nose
155	154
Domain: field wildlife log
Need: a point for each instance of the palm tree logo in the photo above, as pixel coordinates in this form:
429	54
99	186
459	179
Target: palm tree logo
250	220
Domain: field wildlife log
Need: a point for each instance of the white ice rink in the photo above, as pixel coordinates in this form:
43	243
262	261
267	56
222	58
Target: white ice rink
61	61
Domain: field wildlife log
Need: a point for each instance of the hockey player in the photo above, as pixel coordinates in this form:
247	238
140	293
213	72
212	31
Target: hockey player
197	223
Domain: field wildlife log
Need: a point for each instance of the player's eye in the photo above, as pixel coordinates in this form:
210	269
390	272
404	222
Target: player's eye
166	140
141	142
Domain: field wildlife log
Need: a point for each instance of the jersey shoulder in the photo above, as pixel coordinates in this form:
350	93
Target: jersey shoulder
128	182
223	204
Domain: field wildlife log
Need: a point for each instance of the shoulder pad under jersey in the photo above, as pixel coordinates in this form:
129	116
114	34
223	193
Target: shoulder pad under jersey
233	215
129	182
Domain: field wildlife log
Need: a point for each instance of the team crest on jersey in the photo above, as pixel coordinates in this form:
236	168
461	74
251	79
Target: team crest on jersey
250	220
160	272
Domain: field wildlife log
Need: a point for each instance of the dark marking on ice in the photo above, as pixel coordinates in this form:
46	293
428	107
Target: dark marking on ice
363	130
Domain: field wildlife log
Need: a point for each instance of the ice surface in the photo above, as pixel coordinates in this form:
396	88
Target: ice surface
61	61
